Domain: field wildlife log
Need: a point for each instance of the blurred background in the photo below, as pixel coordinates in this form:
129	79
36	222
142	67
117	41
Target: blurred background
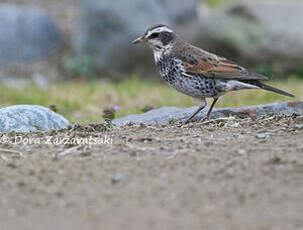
76	56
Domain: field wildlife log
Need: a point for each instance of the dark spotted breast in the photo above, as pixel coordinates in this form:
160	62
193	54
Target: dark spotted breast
194	85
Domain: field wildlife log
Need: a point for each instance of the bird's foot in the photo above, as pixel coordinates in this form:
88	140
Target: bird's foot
207	118
189	120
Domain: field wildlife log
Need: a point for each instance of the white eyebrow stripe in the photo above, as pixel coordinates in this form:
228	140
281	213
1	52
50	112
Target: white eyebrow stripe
159	30
162	29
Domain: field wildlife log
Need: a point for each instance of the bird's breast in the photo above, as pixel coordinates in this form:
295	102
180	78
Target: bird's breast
173	72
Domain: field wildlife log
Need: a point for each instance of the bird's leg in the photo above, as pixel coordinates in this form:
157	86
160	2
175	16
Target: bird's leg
201	106
211	107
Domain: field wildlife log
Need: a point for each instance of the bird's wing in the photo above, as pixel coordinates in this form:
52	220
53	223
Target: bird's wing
210	65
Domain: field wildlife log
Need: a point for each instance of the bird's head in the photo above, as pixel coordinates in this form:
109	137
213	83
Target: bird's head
159	37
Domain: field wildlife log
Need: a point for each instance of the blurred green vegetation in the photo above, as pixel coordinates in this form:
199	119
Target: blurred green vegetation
214	3
79	66
84	101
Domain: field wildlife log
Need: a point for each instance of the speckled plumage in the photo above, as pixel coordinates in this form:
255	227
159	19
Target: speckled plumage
196	72
174	74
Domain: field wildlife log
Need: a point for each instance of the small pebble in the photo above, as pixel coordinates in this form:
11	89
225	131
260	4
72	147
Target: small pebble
85	154
117	178
261	136
142	125
233	125
242	152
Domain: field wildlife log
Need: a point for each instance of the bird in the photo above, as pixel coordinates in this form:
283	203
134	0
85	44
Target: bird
196	72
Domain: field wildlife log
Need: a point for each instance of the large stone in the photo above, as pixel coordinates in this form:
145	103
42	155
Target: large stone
106	29
255	33
30	118
26	34
166	114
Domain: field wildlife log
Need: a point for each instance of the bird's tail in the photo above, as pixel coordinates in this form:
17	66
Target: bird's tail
273	89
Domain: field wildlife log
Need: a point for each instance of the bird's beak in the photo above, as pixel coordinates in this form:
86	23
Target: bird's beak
139	40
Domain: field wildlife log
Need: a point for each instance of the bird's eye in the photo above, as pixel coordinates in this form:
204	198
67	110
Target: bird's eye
154	35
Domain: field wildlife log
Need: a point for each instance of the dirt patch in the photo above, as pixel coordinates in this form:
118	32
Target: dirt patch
218	174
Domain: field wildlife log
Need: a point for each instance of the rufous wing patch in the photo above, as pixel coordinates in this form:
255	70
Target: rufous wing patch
209	65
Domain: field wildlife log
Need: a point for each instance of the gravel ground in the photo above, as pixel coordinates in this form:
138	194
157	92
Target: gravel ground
220	174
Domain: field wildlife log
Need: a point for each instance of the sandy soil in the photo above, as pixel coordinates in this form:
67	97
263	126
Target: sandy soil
223	174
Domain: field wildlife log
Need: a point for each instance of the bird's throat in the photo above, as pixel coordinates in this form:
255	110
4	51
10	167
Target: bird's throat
158	55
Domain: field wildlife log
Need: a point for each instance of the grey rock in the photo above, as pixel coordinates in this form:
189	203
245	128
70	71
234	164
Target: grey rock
30	118
255	33
164	115
106	29
26	34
